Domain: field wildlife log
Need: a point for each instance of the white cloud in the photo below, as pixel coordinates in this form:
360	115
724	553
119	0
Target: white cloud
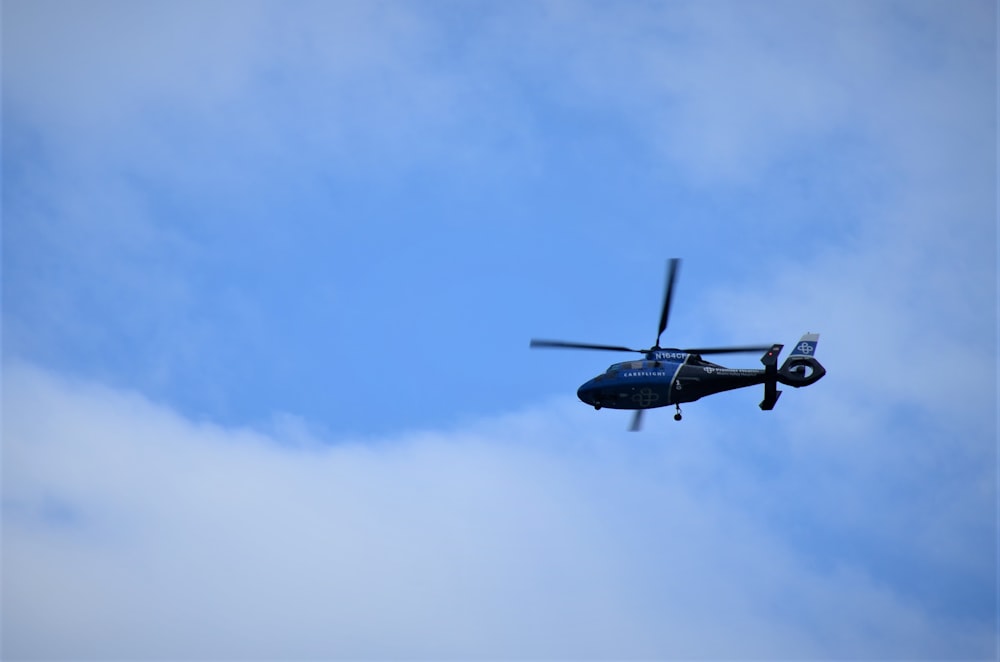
728	91
186	91
95	66
132	532
724	89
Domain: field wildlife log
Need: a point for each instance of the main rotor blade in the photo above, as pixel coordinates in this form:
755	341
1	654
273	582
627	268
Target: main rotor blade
636	424
578	345
672	266
728	350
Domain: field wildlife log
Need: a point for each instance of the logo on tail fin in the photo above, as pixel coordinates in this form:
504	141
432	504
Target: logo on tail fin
801	367
806	345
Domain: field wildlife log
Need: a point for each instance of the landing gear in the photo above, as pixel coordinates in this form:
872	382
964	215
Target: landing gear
597	405
677	416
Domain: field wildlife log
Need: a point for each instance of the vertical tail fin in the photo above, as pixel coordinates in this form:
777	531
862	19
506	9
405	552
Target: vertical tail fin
801	367
806	346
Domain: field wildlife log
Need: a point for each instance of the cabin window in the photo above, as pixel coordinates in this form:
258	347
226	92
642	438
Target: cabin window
627	365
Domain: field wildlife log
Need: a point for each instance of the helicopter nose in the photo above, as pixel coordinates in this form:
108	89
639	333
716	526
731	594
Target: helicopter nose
588	393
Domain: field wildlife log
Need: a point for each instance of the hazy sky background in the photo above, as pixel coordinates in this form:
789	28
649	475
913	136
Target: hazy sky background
270	271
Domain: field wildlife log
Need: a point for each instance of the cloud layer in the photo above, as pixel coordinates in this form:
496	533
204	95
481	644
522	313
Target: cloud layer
133	532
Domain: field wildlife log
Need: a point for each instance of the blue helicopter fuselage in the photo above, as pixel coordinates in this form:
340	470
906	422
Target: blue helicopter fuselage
664	377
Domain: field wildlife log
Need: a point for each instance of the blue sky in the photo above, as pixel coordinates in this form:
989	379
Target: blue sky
270	271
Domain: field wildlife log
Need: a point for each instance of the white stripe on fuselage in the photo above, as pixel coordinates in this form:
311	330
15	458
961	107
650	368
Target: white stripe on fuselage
670	391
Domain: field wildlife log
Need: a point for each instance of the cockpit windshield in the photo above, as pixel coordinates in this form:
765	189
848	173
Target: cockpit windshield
627	365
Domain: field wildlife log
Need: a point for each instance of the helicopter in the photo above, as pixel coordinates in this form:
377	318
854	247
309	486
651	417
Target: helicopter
669	376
